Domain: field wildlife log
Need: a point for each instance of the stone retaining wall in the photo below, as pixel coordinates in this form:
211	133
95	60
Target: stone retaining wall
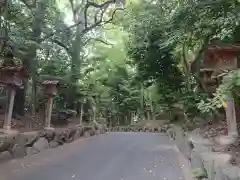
162	129
22	144
205	163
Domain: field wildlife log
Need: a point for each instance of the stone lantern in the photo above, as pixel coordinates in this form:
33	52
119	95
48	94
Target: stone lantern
11	77
50	90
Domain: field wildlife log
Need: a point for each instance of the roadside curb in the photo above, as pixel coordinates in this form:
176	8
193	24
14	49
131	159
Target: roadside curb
24	144
205	164
184	164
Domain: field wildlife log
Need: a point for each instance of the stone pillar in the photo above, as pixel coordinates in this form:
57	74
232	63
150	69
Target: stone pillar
48	113
8	113
231	117
50	90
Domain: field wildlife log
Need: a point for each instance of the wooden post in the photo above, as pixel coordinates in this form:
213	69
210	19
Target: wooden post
49	113
8	115
231	117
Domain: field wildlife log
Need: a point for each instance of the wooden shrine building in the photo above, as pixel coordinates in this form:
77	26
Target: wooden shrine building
218	60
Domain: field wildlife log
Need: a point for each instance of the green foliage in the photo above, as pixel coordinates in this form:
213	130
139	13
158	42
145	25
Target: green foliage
191	97
139	63
155	62
227	89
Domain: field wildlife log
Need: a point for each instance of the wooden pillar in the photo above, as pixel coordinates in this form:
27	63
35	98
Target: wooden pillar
8	113
49	113
231	117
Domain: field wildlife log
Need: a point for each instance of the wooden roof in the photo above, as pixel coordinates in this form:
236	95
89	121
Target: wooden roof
216	50
224	47
15	69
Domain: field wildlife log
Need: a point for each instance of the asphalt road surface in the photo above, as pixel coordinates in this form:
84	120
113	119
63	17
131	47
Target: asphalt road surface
111	156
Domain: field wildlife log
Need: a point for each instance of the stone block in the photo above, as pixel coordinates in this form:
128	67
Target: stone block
49	135
31	151
72	134
77	134
197	165
7	142
19	150
21	144
98	132
41	144
92	132
53	144
86	134
5	156
31	140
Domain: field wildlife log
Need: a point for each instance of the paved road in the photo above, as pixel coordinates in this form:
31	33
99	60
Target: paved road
111	156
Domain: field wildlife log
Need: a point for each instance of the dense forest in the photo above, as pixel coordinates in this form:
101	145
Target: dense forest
118	58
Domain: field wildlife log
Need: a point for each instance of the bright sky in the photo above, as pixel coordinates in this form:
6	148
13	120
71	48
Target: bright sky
62	4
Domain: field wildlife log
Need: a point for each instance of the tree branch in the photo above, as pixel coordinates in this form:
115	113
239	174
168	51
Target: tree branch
102	7
27	4
61	45
97	23
101	22
99	40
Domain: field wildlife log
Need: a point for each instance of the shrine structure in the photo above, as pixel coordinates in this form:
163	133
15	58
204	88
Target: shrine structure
50	90
12	77
219	60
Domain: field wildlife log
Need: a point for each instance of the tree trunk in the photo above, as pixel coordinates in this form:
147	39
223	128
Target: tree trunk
81	113
148	116
132	118
94	116
110	122
29	61
126	120
75	60
153	116
118	121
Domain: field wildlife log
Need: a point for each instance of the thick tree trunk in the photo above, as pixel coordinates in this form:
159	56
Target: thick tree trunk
35	36
29	61
75	60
